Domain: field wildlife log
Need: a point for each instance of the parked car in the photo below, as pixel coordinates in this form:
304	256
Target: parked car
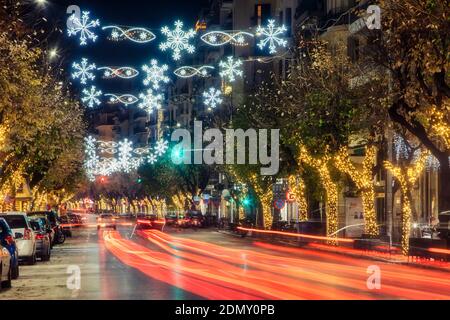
65	226
24	235
106	220
444	225
5	268
59	236
7	241
47	224
43	247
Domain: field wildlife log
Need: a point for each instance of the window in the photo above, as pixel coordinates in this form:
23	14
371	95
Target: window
262	13
288	22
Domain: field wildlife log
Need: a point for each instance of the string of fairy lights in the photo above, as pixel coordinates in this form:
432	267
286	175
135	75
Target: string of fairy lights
178	41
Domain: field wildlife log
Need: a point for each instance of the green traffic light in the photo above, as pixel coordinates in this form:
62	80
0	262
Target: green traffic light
246	201
177	155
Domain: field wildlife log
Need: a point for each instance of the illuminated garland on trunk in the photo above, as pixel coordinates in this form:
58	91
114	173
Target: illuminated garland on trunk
407	177
364	182
297	187
321	165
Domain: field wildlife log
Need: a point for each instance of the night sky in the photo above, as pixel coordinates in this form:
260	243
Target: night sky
152	15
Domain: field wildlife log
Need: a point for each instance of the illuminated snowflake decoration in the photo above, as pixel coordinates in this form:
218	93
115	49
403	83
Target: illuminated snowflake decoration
150	101
213	97
92	159
152	158
230	69
125	155
161	147
83	26
91	97
177	40
271	36
155	74
83	71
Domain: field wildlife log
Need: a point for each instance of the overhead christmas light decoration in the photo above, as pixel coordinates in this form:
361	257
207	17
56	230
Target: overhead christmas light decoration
138	35
152	158
220	38
109	147
404	149
83	71
230	69
177	40
213	97
91	162
155	74
119	72
150	101
126	99
83	26
119	156
91	97
125	149
272	36
161	147
189	72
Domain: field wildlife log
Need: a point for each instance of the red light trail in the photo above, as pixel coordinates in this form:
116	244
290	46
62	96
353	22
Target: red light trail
269	271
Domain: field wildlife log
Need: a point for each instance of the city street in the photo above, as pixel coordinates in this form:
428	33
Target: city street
206	264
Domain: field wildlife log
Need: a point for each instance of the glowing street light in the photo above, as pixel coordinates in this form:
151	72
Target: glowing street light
41	2
53	53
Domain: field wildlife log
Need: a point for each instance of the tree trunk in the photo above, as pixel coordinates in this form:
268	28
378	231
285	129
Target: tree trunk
444	187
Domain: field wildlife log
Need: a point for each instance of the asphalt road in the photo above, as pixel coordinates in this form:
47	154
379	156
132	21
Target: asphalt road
205	264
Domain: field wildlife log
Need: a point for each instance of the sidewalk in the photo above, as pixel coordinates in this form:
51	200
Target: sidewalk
347	251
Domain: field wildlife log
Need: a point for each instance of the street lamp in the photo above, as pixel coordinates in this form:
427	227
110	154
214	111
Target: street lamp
41	3
53	53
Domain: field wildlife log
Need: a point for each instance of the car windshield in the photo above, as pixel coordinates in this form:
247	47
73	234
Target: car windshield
106	216
16	222
36	225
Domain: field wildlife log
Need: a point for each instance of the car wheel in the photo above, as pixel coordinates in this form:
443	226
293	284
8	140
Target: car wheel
15	272
7	284
61	238
47	256
32	260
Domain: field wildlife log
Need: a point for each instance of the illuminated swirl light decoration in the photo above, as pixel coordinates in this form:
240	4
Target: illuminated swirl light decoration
220	38
189	72
125	99
119	72
138	35
109	147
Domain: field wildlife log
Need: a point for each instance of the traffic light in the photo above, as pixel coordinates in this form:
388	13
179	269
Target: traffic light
139	180
177	154
246	201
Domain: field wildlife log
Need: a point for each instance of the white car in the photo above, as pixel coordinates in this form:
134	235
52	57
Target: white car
5	268
24	235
